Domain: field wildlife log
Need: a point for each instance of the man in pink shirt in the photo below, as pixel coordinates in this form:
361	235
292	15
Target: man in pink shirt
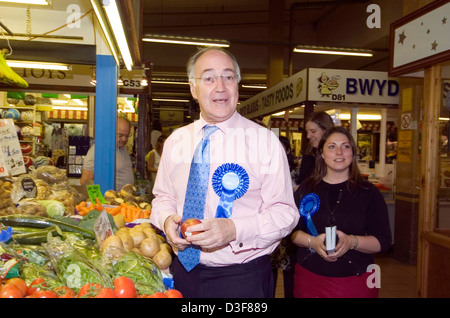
234	259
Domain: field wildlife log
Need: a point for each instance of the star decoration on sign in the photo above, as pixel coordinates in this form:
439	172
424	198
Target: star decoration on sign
402	37
434	45
444	20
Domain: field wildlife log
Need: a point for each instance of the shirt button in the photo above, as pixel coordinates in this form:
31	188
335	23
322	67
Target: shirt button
240	244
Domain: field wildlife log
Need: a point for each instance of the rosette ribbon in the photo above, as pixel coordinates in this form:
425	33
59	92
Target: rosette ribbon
308	206
6	234
230	182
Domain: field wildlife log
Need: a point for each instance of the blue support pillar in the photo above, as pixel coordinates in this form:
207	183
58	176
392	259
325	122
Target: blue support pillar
105	122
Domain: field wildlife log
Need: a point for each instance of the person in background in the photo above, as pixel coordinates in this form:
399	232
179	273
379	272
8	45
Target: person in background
283	258
234	250
153	157
359	212
124	167
155	133
293	163
316	125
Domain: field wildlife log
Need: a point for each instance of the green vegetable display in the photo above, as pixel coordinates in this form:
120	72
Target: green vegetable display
72	266
88	221
142	271
23	220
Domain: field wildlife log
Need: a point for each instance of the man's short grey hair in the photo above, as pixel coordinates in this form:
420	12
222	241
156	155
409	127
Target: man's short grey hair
193	60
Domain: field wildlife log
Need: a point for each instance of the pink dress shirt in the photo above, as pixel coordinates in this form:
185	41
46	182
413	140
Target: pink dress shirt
263	215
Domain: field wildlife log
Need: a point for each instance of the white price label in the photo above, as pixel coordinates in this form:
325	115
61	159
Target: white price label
102	228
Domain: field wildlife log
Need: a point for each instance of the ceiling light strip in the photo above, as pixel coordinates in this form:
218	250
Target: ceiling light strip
170	100
38	65
169	82
106	30
38	2
112	12
254	86
333	51
69	108
184	40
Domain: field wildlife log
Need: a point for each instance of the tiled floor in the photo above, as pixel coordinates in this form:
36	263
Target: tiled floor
398	280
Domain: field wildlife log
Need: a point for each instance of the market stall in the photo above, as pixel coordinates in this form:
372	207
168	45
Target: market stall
56	240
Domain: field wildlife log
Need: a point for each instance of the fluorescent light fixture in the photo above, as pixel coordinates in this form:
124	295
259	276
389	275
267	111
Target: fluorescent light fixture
69	108
39	2
170	100
157	38
361	117
59	102
281	113
254	86
444	118
106	31
78	101
169	82
39	65
332	50
112	12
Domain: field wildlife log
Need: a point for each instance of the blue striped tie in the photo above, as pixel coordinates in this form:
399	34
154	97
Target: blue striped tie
194	202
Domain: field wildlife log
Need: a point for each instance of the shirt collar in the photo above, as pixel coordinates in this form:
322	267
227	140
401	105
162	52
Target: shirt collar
229	123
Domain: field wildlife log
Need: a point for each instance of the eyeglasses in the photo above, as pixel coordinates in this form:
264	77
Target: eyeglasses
123	135
212	79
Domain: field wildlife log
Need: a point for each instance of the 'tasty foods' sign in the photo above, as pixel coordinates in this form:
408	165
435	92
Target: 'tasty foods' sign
323	85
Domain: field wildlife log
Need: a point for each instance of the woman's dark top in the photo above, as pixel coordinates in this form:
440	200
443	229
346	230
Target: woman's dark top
361	211
306	168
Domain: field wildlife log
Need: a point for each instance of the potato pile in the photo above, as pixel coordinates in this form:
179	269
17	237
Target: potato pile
126	195
141	239
6	204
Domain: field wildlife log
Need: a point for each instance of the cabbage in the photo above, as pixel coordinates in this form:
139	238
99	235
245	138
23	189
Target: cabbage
54	208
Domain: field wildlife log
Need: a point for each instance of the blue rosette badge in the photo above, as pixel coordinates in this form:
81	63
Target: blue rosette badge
308	206
230	182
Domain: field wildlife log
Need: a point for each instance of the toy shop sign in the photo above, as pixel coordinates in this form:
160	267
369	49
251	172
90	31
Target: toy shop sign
323	85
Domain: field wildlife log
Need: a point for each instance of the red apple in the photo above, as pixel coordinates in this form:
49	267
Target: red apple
187	224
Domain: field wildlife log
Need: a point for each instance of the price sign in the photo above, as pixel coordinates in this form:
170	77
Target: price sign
94	193
102	228
11	159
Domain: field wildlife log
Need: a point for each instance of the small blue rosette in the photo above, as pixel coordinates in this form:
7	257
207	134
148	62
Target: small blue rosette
309	205
5	235
230	181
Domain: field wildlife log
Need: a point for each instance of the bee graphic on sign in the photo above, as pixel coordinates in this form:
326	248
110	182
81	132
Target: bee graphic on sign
299	86
328	84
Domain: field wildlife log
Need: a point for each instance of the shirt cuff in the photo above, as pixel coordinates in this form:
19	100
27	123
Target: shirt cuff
160	219
246	230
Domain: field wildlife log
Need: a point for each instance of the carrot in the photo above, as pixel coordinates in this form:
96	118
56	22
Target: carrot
114	211
126	214
82	210
98	205
135	213
146	214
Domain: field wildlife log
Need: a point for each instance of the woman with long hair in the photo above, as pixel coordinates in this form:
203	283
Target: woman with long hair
316	125
340	198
